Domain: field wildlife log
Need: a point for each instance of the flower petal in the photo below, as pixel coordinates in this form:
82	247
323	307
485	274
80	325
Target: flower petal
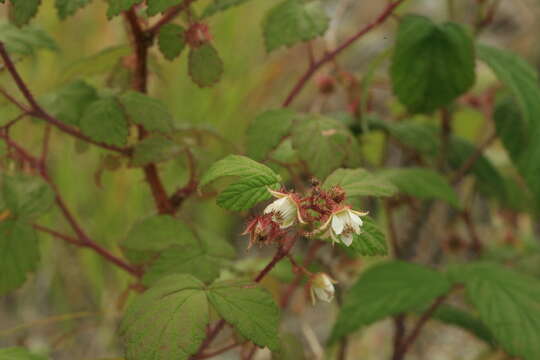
337	223
347	239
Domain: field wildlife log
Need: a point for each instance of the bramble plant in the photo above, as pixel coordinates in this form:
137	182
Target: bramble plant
375	206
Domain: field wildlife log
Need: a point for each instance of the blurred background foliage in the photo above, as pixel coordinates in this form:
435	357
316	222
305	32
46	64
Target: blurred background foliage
70	308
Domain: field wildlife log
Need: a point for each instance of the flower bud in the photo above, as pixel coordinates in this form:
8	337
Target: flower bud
322	287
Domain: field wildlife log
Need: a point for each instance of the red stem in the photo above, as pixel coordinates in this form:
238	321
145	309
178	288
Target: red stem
169	16
329	56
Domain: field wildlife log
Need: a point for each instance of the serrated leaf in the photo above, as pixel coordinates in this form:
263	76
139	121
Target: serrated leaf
323	143
522	80
25	41
511	127
96	64
19	253
171	40
360	182
117	6
451	315
168	321
250	309
149	237
202	260
432	64
25	196
421	183
508	303
18	353
236	165
104	121
146	111
293	21
221	5
267	131
69	103
67	8
22	11
386	290
157	6
205	67
247	192
371	242
155	149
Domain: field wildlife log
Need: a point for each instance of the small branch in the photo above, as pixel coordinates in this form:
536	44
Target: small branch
218	352
169	16
409	340
329	56
476	245
45	144
399	331
12	100
37	111
184	192
469	163
58	235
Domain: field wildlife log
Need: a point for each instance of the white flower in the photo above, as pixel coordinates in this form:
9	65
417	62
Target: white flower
342	225
322	287
285	210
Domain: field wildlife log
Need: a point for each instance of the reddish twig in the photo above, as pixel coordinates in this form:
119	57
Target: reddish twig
329	56
218	352
45	143
184	192
409	340
169	16
58	235
469	163
12	100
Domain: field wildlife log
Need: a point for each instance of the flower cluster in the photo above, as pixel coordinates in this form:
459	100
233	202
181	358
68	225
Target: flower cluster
319	214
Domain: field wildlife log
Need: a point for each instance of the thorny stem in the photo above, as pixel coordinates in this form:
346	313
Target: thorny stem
329	56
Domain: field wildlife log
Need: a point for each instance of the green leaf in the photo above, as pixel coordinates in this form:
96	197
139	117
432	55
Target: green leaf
236	165
171	41
323	143
360	182
267	131
432	64
67	8
19	253
250	309
507	302
221	5
25	196
293	21
149	237
422	183
157	6
202	259
146	111
25	41
69	103
247	192
205	67
371	242
167	322
417	136
96	64
511	127
522	80
454	316
385	290
23	10
155	149
105	122
117	6
18	353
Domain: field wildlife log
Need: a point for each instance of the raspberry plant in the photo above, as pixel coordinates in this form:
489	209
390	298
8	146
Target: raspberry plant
342	200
